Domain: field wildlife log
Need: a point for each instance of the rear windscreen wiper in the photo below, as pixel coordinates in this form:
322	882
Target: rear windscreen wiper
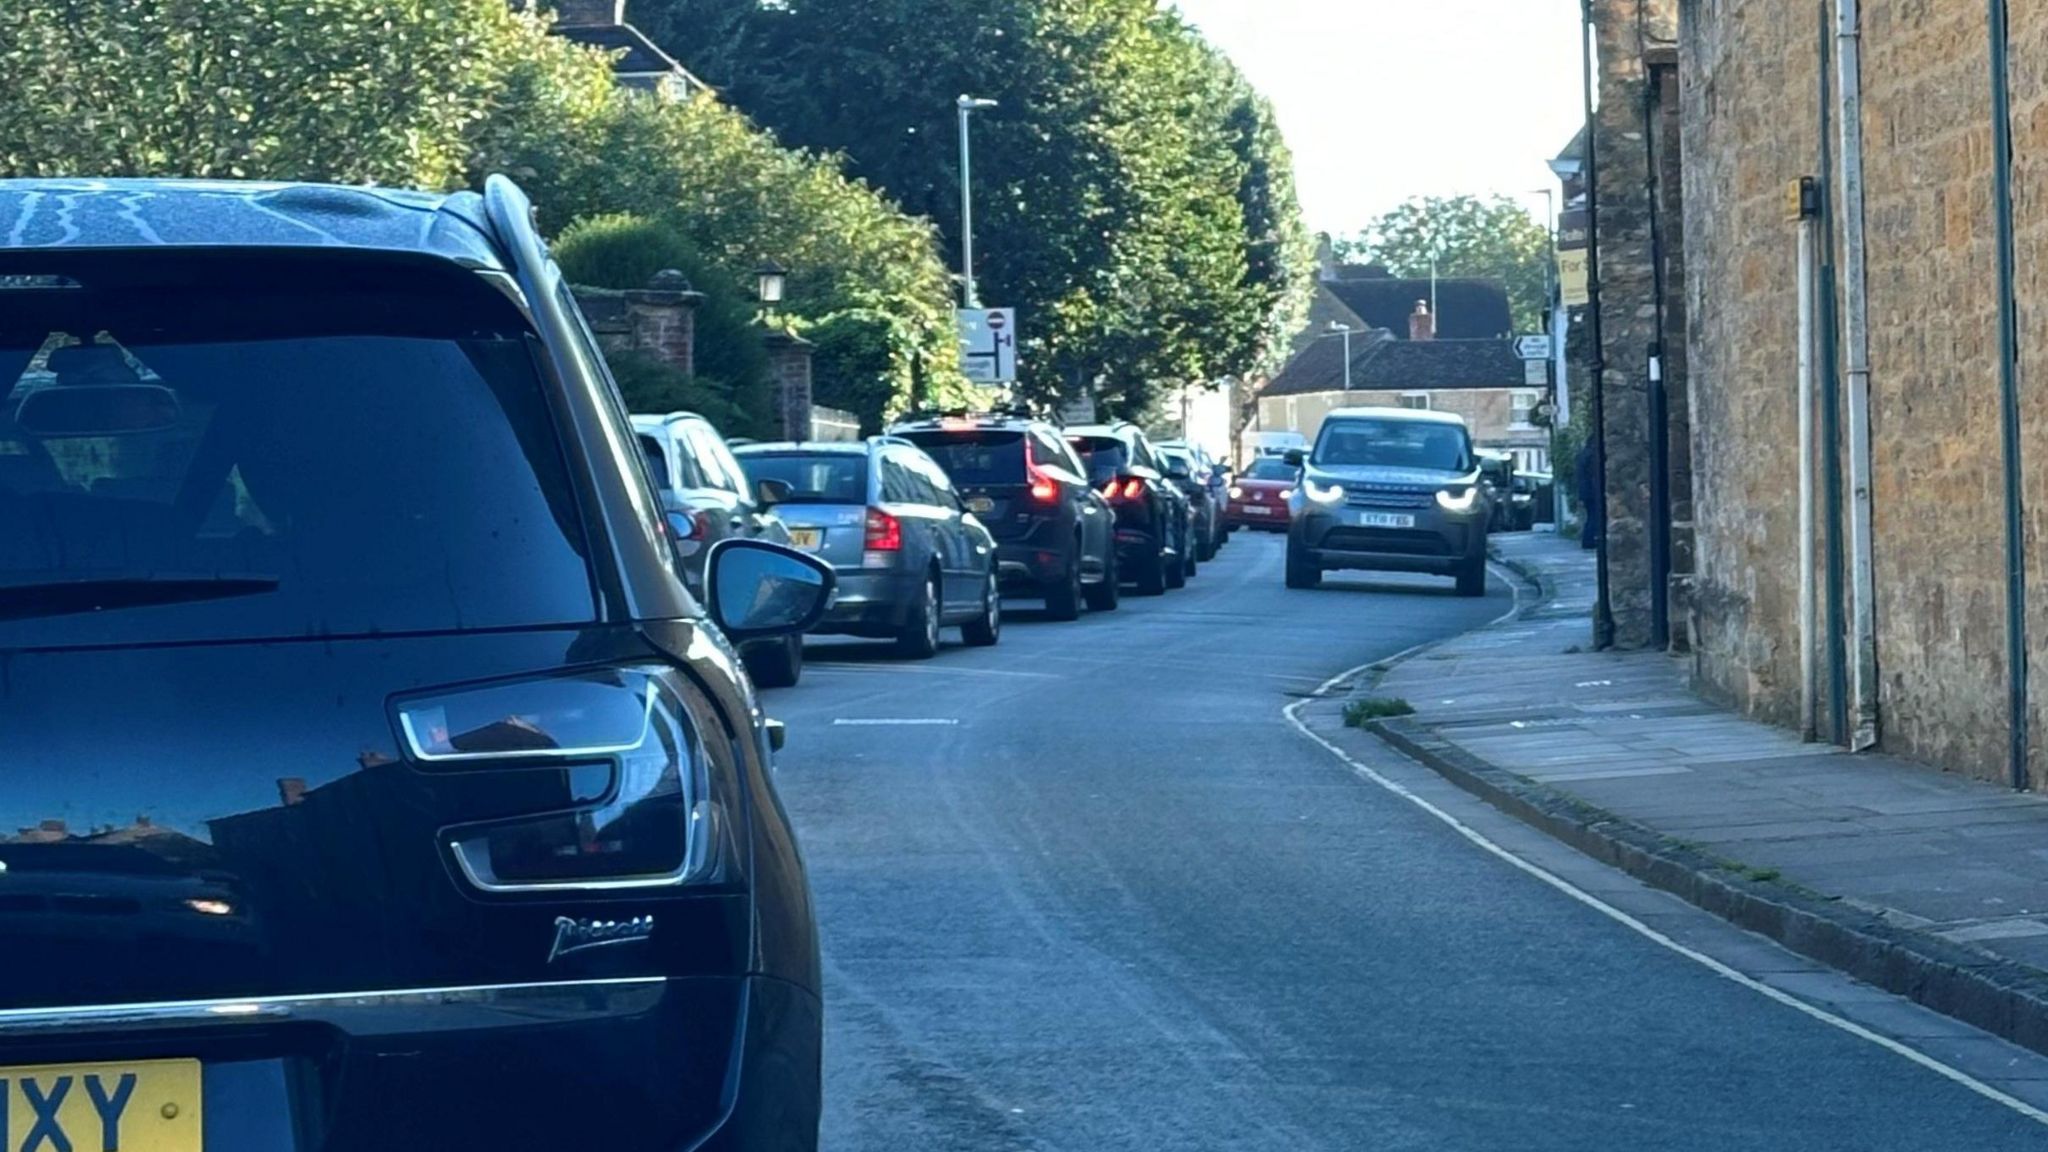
64	597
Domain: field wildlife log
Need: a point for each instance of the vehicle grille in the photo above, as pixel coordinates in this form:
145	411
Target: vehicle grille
1388	498
1392	541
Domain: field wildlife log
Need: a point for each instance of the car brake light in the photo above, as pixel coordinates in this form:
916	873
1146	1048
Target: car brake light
1044	488
610	770
1133	489
700	526
884	532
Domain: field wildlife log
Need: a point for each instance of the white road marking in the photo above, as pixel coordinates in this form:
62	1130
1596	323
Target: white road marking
1292	713
904	722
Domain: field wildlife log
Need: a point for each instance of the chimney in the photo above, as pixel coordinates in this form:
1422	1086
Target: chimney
1326	258
1422	325
585	13
291	790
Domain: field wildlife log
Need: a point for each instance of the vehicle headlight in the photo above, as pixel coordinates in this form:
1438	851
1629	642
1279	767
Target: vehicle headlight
1236	493
1320	494
1457	499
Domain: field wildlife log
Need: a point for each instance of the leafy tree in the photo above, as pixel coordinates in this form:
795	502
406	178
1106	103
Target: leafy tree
437	93
1491	237
1132	197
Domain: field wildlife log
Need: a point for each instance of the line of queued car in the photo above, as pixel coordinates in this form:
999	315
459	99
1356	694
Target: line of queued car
934	523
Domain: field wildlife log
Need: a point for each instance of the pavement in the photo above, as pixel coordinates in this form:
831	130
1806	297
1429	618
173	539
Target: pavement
1931	884
1130	883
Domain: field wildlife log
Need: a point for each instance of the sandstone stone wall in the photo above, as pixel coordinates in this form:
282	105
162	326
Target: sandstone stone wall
1751	80
2029	48
1632	36
1752	98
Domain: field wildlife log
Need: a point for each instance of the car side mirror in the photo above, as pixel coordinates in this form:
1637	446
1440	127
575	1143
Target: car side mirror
770	492
1296	457
759	589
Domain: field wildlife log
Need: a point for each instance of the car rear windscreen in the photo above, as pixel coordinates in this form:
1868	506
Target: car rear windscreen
1104	456
813	478
188	465
1270	468
976	458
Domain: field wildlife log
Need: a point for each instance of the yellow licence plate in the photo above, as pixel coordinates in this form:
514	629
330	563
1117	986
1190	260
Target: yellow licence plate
135	1106
807	538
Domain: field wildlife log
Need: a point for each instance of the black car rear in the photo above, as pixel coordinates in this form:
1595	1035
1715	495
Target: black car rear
1053	530
372	782
1153	519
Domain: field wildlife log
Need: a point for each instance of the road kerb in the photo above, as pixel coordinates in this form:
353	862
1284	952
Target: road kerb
2001	997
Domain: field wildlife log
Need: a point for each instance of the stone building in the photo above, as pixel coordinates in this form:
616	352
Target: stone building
1640	385
1760	111
1480	380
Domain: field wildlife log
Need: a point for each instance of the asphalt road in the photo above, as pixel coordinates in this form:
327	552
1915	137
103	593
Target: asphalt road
1088	890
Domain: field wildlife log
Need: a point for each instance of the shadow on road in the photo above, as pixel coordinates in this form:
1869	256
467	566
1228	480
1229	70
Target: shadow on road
1381	588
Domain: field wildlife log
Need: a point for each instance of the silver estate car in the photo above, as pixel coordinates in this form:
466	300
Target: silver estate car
910	558
1393	489
708	497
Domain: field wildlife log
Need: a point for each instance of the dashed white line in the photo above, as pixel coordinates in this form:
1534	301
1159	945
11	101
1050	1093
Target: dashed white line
902	722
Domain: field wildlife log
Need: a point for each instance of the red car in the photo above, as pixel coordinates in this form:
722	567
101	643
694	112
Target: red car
1258	498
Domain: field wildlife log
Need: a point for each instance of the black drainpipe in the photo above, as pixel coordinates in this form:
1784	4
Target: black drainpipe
2009	397
1659	413
1596	362
1831	398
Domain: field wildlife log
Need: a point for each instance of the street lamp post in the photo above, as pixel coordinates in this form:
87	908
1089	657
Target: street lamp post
968	105
1339	328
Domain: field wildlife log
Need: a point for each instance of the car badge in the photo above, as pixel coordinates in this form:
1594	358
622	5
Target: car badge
582	935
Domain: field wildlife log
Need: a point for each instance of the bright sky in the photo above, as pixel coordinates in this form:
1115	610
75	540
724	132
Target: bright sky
1386	99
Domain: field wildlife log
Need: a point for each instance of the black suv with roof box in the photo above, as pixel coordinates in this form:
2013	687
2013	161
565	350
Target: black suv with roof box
1055	534
372	781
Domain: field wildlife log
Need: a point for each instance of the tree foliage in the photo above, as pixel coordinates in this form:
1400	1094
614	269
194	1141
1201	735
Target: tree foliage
1132	195
1487	237
438	93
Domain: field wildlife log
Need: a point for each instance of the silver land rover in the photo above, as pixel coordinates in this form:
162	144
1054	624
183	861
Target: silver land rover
1392	489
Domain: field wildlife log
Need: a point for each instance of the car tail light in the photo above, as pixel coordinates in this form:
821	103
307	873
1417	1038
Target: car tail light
611	764
884	532
1133	489
699	524
1044	488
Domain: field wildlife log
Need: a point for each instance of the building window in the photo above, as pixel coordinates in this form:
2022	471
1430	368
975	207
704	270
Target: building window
1416	400
1293	415
1532	459
1523	411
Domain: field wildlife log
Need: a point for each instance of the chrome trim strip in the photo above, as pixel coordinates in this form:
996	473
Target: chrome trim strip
242	1007
417	746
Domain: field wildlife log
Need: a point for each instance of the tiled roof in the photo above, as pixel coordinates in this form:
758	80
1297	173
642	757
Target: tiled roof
1383	365
1466	309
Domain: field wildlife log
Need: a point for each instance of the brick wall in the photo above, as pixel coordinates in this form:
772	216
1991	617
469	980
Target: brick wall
1752	101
